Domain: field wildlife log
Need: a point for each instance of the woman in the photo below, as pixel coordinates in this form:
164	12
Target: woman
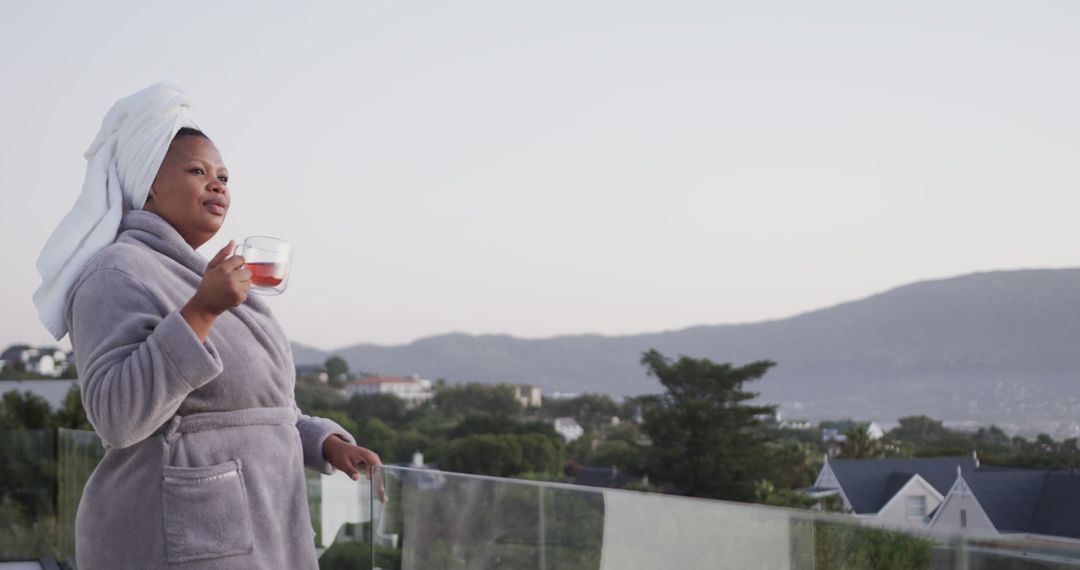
188	380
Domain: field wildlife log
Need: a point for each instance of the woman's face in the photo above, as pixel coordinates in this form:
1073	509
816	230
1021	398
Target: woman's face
190	190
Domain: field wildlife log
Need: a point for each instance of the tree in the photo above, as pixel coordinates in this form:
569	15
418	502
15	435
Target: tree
375	435
540	454
71	414
705	436
476	399
69	373
919	429
590	410
26	410
386	407
859	445
484	454
336	368
767	494
617	453
794	465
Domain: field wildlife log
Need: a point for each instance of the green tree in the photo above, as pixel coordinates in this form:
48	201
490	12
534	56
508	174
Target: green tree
794	465
858	444
618	453
497	424
919	429
476	399
706	440
592	411
375	435
767	494
69	373
336	368
540	454
386	407
71	414
26	410
484	454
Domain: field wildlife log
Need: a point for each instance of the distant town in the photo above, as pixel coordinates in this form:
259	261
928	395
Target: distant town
916	474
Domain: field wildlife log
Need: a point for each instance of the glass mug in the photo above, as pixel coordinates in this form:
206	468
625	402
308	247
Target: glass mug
268	259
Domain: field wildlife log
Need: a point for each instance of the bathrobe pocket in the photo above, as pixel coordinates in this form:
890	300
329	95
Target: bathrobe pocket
206	512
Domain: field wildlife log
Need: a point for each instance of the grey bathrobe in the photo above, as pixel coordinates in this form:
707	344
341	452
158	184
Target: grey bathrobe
206	449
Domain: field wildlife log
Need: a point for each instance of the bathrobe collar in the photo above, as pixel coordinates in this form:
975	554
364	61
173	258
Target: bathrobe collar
150	230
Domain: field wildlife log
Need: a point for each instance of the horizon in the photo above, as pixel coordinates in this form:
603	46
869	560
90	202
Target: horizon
689	326
492	167
67	345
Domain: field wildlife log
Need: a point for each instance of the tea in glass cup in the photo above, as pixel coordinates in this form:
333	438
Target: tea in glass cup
268	259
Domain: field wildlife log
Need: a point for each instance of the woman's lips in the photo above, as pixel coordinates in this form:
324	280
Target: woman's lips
215	208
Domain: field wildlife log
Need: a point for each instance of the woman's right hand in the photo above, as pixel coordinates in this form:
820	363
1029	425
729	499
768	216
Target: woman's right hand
224	285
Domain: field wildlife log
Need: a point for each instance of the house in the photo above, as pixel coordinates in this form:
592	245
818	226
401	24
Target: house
796	424
414	389
568	428
529	395
900	491
48	361
835	432
1024	504
314	371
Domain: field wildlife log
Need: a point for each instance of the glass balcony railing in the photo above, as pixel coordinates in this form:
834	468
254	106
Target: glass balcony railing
410	518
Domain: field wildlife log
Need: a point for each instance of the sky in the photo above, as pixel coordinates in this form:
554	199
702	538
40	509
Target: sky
551	168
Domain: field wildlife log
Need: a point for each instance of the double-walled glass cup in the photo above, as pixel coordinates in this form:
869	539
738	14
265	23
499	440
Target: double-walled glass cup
268	259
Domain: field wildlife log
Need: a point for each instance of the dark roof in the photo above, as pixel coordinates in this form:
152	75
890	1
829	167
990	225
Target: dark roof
869	483
1036	502
609	477
14	352
1008	497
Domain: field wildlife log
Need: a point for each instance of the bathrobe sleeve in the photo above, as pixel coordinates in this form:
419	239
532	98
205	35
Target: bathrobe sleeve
135	366
313	433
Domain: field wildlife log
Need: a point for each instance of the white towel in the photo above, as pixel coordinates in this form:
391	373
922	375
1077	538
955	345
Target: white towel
122	162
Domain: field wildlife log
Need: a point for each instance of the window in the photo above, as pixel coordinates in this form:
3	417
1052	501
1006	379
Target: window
916	507
963	518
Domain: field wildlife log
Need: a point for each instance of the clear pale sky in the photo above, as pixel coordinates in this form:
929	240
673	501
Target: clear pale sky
541	168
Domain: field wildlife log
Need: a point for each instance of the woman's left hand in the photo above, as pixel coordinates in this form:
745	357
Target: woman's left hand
346	457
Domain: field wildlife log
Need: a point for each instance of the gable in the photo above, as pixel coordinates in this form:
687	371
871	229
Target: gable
870	483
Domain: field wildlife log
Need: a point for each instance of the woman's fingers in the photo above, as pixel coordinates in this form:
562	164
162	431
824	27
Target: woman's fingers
221	255
233	263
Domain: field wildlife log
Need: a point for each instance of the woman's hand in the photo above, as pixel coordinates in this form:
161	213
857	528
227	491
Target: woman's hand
224	285
346	456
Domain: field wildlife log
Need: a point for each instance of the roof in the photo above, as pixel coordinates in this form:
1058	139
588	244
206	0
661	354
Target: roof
609	477
14	352
383	379
1029	501
869	483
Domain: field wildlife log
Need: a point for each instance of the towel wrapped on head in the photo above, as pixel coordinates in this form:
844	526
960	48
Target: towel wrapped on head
122	163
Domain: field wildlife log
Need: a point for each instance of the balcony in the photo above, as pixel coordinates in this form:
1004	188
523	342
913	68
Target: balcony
440	520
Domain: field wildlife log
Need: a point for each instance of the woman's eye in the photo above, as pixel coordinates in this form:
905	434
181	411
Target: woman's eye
198	171
223	179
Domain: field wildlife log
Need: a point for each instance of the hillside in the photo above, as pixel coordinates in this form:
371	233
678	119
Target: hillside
995	346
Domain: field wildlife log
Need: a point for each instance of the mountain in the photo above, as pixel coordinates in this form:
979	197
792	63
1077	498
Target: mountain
987	347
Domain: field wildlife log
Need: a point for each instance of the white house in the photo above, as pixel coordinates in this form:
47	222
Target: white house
529	395
1022	504
835	431
49	361
568	428
897	491
414	390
